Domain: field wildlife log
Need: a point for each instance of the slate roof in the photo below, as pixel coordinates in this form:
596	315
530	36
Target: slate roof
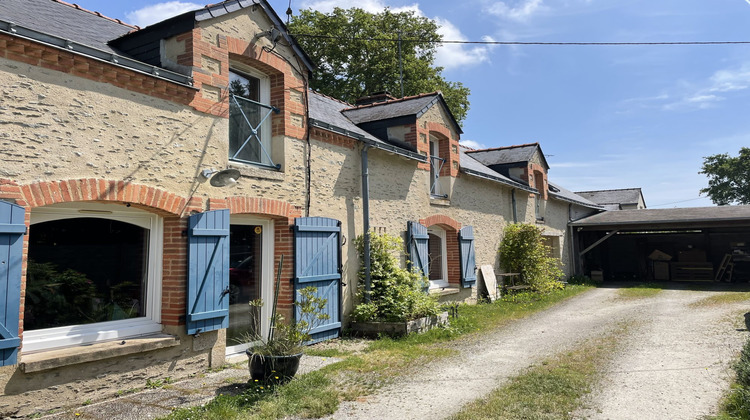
472	167
621	196
655	218
410	105
325	112
569	196
507	155
64	20
328	110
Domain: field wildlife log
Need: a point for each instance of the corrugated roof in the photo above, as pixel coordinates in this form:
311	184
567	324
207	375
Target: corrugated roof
569	196
666	217
411	105
65	21
619	196
507	155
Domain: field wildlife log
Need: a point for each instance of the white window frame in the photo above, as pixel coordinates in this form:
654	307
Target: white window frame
266	274
72	335
265	98
443	282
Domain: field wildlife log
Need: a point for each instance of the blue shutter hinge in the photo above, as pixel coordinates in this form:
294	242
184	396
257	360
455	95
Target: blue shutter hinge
224	293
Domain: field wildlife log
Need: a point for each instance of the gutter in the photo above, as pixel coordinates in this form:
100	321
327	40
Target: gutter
73	47
371	143
500	180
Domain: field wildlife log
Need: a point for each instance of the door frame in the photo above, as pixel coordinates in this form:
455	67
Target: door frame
266	273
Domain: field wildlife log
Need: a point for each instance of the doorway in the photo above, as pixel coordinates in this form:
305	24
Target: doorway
250	281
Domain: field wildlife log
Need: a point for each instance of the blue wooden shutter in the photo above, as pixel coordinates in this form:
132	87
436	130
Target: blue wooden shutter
12	229
208	271
468	256
417	243
317	263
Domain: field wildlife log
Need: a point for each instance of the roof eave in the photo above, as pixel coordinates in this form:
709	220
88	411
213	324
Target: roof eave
94	53
376	145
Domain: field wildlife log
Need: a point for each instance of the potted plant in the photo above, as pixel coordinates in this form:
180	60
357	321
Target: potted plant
276	357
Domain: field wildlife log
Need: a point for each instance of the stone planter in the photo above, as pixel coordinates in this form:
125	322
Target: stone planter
397	329
272	368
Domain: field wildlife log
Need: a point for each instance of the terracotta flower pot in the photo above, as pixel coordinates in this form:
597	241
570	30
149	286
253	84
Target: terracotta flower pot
272	368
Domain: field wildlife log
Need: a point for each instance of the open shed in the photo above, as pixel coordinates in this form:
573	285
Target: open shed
680	244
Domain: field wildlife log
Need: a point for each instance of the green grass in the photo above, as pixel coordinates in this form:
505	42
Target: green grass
318	393
736	404
644	290
722	299
552	390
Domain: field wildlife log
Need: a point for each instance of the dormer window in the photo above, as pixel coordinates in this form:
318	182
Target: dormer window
250	118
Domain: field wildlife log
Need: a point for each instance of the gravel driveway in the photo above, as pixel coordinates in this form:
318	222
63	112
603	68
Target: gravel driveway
674	363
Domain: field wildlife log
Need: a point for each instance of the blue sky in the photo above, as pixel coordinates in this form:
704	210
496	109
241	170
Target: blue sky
606	116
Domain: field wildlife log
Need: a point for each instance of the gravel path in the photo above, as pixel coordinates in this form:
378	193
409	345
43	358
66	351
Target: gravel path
673	364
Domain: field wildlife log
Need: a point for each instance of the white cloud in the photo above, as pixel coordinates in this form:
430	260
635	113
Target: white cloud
472	144
160	11
520	12
714	90
372	6
452	56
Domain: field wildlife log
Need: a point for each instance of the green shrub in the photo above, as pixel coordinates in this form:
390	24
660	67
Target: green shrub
583	280
396	294
523	251
742	367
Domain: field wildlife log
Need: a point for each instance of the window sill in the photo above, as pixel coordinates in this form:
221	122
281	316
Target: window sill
439	201
445	291
540	221
52	359
250	171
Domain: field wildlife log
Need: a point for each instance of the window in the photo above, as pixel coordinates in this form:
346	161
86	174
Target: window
93	273
539	202
436	165
250	118
436	246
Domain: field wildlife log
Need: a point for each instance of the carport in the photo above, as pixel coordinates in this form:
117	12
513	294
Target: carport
681	244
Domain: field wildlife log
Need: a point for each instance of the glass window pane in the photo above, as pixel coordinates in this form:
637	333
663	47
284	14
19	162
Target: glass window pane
245	249
85	270
244	116
435	249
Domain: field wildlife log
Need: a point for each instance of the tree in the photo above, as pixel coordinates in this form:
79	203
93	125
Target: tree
728	178
357	54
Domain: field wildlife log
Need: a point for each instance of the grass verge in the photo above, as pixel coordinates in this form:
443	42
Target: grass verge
639	291
722	299
736	404
552	390
360	373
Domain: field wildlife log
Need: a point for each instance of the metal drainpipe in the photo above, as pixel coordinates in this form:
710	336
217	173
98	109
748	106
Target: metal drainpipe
366	219
513	201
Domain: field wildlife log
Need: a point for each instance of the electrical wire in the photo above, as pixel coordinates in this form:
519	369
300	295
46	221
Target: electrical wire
341	38
677	202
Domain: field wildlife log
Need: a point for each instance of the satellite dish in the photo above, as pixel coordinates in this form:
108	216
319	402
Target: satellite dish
225	178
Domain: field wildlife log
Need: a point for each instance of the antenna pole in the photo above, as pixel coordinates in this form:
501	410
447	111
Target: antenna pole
400	65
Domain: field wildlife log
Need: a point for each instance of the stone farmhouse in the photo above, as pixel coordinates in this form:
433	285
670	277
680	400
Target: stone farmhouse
153	178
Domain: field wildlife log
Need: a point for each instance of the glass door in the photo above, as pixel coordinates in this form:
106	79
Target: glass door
245	285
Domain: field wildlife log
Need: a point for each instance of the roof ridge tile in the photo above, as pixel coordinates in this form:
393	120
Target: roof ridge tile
491	149
390	101
77	7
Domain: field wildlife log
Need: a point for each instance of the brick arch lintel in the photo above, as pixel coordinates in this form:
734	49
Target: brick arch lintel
440	129
440	219
45	193
256	205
